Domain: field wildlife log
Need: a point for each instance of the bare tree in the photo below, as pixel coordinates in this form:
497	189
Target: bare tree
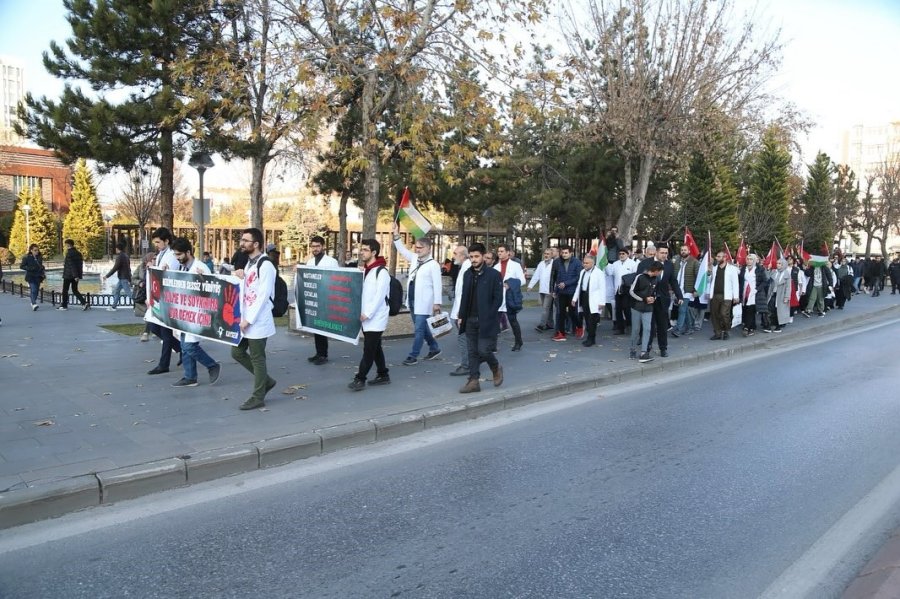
662	78
139	200
887	175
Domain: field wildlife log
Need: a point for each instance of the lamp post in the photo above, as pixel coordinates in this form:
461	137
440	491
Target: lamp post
27	209
108	220
201	161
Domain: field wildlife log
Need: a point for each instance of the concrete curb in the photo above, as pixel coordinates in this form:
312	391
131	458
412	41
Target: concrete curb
76	493
881	576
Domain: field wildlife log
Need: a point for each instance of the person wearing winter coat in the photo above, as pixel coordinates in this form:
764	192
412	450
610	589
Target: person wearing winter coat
780	296
754	295
510	269
482	295
373	316
73	271
33	265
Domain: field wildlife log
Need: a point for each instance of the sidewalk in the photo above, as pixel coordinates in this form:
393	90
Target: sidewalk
83	424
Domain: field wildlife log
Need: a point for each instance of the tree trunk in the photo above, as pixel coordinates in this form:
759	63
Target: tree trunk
868	244
166	179
461	229
372	176
635	196
341	249
257	174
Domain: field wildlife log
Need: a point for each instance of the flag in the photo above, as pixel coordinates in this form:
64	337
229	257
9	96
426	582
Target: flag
817	260
701	286
742	253
598	250
411	219
690	243
771	260
789	251
727	252
804	255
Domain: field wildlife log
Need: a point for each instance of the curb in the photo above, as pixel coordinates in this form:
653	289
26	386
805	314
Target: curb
100	488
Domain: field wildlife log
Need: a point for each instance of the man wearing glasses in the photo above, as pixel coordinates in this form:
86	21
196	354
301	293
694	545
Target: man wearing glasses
423	296
257	322
322	260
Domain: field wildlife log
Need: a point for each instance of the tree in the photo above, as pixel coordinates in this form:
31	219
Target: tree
846	200
84	222
395	55
661	79
709	202
39	227
887	174
817	203
766	211
139	201
126	52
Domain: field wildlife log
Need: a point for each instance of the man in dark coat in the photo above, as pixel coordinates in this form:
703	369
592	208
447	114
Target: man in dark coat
666	286
482	296
73	271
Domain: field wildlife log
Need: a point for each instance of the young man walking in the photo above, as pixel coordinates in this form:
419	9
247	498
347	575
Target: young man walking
423	296
165	260
482	295
541	280
73	271
567	268
374	315
122	268
322	260
510	270
643	292
257	322
725	293
191	351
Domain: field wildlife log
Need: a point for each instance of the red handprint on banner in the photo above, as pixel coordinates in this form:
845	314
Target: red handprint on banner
231	313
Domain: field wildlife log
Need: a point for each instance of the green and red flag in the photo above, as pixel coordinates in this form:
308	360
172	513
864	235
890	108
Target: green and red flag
411	219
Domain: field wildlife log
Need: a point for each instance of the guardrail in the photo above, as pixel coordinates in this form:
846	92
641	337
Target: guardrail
55	297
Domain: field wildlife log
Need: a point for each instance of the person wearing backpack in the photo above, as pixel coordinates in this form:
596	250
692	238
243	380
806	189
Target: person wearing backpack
257	322
373	315
423	296
322	260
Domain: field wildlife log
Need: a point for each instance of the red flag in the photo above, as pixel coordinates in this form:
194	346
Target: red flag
742	253
727	252
804	255
690	243
789	251
771	261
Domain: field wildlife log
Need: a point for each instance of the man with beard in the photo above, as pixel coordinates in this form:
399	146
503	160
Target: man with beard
322	260
482	295
373	316
725	294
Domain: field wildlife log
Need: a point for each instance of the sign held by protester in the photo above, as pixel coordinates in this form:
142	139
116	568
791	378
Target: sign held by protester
204	305
329	301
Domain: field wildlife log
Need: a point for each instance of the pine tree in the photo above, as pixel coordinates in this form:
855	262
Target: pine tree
40	226
766	213
817	203
84	223
709	202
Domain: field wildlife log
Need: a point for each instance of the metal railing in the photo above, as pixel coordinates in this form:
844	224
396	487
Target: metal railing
55	297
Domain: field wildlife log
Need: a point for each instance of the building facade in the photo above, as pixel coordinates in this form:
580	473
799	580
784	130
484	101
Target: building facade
36	169
12	91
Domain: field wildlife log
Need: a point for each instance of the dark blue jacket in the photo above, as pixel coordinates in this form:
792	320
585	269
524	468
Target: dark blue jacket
568	276
488	298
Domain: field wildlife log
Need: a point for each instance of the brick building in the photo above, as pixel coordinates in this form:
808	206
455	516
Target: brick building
41	169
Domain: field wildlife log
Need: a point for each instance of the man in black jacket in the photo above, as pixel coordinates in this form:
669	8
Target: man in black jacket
666	285
482	296
73	271
643	292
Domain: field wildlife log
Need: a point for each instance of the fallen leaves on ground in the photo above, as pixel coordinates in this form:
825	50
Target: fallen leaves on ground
293	389
44	423
9	356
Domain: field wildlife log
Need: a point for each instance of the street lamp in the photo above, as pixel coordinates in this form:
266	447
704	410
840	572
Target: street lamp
201	161
108	220
27	209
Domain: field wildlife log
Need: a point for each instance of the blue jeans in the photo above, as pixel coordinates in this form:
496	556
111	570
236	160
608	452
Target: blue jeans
422	334
191	353
33	288
685	318
122	285
640	329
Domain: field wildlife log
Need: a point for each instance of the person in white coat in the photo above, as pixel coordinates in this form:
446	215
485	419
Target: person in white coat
591	297
541	280
165	260
423	294
510	269
724	292
320	259
461	258
373	314
622	301
257	322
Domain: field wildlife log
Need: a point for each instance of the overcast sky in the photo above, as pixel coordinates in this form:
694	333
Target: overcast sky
840	59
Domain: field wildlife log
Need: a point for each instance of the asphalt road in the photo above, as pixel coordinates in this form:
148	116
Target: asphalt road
709	484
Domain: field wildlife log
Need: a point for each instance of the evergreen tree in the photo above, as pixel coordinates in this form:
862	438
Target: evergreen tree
84	223
129	54
40	226
766	212
817	203
709	202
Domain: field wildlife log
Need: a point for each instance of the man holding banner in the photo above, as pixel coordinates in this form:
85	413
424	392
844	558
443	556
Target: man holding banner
191	352
322	260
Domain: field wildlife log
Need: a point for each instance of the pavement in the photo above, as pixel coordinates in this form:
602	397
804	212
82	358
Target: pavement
83	425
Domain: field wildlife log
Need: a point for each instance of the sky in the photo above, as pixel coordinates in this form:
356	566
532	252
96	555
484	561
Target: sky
839	61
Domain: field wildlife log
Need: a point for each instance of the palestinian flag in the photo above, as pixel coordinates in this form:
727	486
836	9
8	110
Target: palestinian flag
411	219
598	250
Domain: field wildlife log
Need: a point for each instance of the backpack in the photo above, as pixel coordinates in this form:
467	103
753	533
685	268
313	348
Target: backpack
627	281
394	298
280	299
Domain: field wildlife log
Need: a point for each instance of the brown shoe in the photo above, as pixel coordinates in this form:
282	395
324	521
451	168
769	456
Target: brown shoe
471	386
498	375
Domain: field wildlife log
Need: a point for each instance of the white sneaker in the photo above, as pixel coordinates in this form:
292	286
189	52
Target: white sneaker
145	337
110	309
62	308
34	307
